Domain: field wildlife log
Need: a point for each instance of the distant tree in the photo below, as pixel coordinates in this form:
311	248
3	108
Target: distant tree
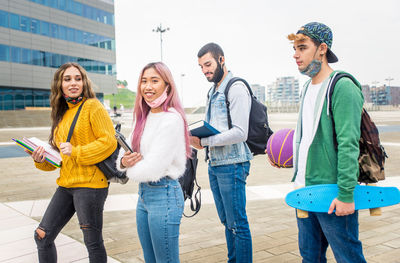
122	82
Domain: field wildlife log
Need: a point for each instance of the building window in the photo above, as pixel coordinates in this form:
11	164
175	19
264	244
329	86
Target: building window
25	24
79	9
26	56
19	102
62	4
35	26
55	60
4	53
28	99
16	55
54	30
70	35
53	3
64	59
39	27
48	59
14	21
44	28
79	36
62	32
37	57
3	19
8	102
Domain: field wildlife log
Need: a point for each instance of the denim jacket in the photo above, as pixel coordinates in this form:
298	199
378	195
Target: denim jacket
216	115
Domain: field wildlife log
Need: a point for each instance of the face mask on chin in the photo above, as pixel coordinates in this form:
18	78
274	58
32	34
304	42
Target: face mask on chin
312	69
73	100
160	100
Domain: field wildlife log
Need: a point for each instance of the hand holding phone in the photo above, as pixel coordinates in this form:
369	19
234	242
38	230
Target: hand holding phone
121	140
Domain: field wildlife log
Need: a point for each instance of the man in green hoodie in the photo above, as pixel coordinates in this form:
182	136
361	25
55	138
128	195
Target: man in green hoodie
317	160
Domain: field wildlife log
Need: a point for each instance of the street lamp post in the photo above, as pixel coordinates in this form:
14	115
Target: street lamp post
182	75
161	30
388	79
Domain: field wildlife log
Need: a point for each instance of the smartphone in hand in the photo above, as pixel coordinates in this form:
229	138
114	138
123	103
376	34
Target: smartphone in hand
121	140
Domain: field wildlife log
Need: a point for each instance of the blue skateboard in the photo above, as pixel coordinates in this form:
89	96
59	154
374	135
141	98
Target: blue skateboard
318	198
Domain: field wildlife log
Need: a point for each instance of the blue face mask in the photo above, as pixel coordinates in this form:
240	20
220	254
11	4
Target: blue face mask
312	69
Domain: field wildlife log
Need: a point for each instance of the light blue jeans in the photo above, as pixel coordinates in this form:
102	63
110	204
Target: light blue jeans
340	232
158	218
228	185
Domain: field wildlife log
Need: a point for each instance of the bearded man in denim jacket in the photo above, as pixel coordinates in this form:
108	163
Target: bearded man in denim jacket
227	152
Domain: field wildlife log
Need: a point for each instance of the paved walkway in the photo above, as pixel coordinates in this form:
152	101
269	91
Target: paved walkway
25	191
17	244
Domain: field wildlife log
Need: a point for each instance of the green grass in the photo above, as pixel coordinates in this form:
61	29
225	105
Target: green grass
125	97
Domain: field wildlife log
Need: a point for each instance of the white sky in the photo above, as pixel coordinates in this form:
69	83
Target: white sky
252	33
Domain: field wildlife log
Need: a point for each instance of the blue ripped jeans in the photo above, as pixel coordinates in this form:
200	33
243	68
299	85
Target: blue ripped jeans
228	185
88	203
158	218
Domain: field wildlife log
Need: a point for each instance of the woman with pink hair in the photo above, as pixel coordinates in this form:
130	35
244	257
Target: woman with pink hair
160	144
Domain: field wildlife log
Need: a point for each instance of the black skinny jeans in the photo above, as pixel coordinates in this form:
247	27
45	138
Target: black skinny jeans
88	203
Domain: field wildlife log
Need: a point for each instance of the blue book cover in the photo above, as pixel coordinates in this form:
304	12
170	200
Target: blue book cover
202	129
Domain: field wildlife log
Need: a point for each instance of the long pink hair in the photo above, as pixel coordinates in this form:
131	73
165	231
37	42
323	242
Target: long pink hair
141	109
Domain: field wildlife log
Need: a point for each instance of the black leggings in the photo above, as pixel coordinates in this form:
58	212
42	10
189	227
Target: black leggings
88	203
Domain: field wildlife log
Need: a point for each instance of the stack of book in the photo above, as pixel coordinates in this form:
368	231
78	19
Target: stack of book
51	156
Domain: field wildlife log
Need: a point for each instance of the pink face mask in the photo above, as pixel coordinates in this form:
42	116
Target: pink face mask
160	100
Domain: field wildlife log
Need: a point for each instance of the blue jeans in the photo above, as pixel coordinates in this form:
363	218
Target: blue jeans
88	203
228	185
158	218
340	232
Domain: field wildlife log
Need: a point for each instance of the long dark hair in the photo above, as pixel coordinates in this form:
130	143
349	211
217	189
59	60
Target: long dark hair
57	102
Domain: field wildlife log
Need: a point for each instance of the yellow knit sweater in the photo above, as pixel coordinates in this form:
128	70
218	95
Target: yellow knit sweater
92	141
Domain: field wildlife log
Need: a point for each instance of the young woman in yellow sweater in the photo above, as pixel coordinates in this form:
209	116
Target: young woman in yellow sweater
83	188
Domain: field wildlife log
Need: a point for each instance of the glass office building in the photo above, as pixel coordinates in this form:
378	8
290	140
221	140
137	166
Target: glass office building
38	36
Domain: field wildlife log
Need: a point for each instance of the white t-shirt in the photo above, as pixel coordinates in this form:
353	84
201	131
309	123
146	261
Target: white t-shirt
307	131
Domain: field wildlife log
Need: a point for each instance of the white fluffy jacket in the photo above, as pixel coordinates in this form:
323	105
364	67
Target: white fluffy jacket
162	147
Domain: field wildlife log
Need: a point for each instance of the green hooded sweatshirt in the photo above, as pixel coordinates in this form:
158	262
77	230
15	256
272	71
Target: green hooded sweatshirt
327	164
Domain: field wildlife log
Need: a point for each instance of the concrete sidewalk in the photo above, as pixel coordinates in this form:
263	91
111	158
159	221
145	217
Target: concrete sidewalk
18	246
25	191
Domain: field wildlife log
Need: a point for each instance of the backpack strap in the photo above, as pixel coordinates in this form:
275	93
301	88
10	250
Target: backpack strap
227	88
197	201
196	204
331	88
71	129
335	79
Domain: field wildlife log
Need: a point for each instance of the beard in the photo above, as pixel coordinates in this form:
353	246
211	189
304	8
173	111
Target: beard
217	74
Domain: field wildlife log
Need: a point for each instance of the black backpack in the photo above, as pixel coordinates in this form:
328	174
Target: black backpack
259	130
372	154
187	181
109	165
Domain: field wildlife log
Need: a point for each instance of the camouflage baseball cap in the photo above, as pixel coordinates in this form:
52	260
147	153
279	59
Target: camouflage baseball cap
323	34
